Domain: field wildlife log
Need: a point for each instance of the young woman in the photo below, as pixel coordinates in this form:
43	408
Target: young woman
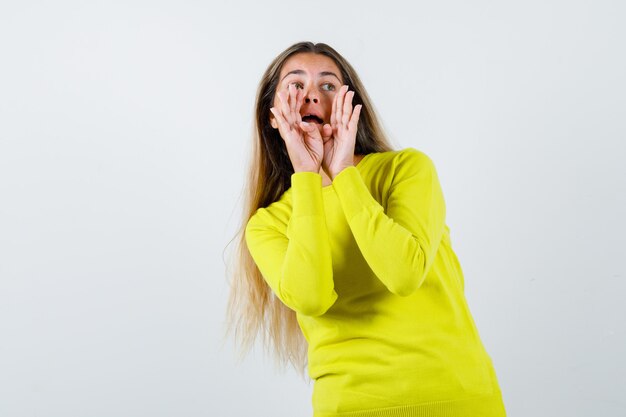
345	259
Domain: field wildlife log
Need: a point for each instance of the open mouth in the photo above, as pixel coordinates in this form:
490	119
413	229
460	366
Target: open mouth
311	118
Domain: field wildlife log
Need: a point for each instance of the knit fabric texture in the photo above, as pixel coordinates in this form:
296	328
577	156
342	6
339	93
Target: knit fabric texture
368	267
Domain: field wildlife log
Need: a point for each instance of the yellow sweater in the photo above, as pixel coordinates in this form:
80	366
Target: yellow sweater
367	265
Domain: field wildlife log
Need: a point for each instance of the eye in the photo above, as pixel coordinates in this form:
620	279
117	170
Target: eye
297	84
331	86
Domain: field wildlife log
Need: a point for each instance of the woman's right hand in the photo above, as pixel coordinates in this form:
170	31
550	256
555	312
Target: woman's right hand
304	142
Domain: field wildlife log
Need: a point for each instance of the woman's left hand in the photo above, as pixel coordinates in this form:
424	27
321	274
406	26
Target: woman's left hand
340	136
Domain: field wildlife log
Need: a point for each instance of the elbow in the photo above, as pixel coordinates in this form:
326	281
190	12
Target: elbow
407	286
312	312
311	294
409	282
316	308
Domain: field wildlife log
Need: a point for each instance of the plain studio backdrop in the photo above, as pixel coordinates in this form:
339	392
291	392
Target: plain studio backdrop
124	132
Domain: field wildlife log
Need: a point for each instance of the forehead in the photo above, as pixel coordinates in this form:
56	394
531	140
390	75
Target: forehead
309	62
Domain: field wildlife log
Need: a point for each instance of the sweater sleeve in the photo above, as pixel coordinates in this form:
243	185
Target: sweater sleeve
400	245
297	264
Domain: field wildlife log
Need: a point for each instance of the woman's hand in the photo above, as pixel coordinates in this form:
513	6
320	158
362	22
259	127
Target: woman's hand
304	142
340	135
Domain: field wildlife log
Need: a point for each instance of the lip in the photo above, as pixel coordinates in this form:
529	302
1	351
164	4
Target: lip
313	113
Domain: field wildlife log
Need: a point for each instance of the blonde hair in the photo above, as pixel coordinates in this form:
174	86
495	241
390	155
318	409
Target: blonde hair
252	306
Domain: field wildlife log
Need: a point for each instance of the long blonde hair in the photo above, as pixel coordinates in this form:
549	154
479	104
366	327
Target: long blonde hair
252	306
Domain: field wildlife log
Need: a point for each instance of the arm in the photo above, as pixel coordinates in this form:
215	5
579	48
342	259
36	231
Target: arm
400	245
297	265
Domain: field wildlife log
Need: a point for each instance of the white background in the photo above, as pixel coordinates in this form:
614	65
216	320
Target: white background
124	130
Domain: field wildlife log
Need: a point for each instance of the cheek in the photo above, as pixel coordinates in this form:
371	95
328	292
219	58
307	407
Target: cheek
330	97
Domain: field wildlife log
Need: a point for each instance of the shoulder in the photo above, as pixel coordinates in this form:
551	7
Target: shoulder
410	162
392	167
409	155
413	156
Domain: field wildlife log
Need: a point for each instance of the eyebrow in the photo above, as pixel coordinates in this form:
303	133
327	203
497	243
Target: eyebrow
323	73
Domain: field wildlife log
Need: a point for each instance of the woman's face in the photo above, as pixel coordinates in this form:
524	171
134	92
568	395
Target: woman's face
318	77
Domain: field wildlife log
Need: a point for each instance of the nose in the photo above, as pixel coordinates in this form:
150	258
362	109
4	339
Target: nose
309	95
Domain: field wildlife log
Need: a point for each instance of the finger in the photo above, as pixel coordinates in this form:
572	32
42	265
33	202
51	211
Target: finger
337	97
299	101
284	105
293	92
284	110
311	130
354	120
332	111
327	132
283	126
342	102
289	105
347	108
280	119
339	107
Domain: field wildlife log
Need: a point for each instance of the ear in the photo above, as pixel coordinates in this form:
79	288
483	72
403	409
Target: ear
273	121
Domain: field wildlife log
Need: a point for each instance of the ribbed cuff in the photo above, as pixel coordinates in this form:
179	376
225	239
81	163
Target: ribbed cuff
352	192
